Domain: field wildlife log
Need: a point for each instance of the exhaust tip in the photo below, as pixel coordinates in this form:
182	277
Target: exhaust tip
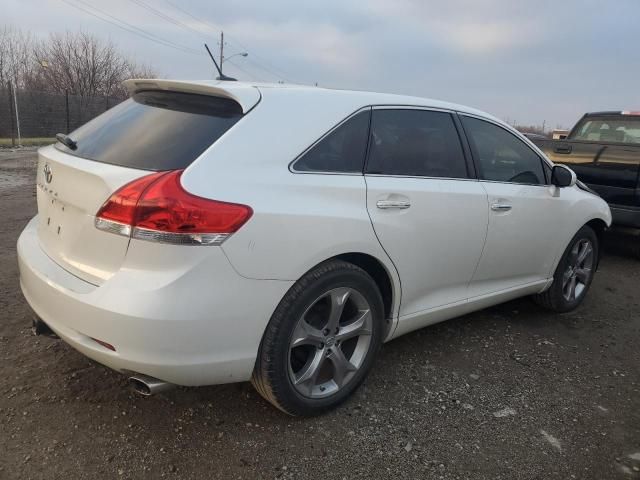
139	387
39	328
146	385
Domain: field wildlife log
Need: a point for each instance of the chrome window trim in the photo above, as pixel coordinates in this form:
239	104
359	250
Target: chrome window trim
520	137
516	183
419	177
411	107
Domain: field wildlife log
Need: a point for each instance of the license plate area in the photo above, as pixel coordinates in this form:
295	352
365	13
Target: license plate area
59	221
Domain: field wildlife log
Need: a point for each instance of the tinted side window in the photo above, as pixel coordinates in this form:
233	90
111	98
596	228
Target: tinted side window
415	143
501	156
342	150
155	130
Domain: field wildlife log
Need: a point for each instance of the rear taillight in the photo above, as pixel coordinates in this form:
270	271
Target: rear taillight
157	208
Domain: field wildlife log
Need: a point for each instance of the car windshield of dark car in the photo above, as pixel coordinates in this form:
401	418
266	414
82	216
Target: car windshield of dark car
609	130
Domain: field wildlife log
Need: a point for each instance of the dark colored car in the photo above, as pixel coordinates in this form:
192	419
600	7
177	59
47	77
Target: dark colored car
604	150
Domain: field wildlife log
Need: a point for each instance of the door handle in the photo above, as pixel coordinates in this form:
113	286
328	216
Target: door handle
563	149
387	204
501	207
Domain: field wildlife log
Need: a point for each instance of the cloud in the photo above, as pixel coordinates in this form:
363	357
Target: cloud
530	61
324	44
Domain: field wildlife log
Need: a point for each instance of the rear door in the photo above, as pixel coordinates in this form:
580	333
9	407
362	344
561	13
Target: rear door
428	211
152	131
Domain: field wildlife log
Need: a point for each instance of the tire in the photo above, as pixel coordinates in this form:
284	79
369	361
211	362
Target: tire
304	368
573	270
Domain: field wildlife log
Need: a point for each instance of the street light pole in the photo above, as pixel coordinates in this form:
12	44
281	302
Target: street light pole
15	105
223	58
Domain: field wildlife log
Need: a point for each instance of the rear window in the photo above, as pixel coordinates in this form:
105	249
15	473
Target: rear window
155	130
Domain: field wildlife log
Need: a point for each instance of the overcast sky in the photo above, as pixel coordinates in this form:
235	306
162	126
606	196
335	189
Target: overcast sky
527	61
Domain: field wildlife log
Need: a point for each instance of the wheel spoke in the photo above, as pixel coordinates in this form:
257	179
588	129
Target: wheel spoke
339	298
305	334
565	279
585	250
583	274
571	287
360	326
342	367
305	380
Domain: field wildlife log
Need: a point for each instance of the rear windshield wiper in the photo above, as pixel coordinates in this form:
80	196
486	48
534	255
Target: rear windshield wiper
66	141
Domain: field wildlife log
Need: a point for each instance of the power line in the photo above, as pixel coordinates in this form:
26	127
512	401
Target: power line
166	16
153	35
128	27
263	67
251	77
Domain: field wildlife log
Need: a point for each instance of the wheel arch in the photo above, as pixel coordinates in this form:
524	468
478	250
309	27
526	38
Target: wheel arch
599	226
386	280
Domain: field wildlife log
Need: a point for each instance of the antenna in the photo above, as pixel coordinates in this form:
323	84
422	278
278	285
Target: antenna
221	76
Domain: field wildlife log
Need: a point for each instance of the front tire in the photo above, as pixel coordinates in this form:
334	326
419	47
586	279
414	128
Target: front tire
321	340
574	274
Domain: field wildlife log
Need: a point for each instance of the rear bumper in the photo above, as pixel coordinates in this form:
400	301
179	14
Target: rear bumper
188	320
625	216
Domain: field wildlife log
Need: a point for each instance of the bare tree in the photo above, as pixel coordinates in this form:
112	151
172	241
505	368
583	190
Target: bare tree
81	64
75	62
16	63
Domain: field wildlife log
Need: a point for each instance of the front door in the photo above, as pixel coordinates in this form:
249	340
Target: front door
525	213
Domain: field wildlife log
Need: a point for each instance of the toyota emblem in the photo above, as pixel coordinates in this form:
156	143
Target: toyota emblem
48	175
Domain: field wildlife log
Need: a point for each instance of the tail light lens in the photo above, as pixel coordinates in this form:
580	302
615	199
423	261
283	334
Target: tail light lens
157	208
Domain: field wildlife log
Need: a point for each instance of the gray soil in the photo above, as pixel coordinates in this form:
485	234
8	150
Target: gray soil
509	392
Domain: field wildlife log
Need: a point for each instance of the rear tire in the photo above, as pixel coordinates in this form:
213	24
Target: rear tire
574	274
321	340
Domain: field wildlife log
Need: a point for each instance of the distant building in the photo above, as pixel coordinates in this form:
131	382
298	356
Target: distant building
559	134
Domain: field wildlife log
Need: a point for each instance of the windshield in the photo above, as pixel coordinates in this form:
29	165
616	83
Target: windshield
603	129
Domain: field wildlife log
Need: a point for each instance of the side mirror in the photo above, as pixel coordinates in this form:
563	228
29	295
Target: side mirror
563	176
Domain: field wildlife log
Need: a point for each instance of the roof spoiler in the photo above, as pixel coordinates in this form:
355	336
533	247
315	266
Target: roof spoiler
247	96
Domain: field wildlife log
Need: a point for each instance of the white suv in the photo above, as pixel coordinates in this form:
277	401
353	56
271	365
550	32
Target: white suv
211	232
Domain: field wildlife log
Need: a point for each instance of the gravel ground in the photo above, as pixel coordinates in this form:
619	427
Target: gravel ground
509	392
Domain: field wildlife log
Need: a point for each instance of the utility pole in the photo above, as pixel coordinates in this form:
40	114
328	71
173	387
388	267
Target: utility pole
221	50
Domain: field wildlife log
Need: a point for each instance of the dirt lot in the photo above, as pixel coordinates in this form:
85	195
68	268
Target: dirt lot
509	392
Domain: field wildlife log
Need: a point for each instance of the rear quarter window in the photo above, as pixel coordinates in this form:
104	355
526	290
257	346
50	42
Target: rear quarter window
155	130
342	150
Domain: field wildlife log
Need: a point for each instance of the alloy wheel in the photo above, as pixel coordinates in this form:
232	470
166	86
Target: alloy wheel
330	342
579	270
